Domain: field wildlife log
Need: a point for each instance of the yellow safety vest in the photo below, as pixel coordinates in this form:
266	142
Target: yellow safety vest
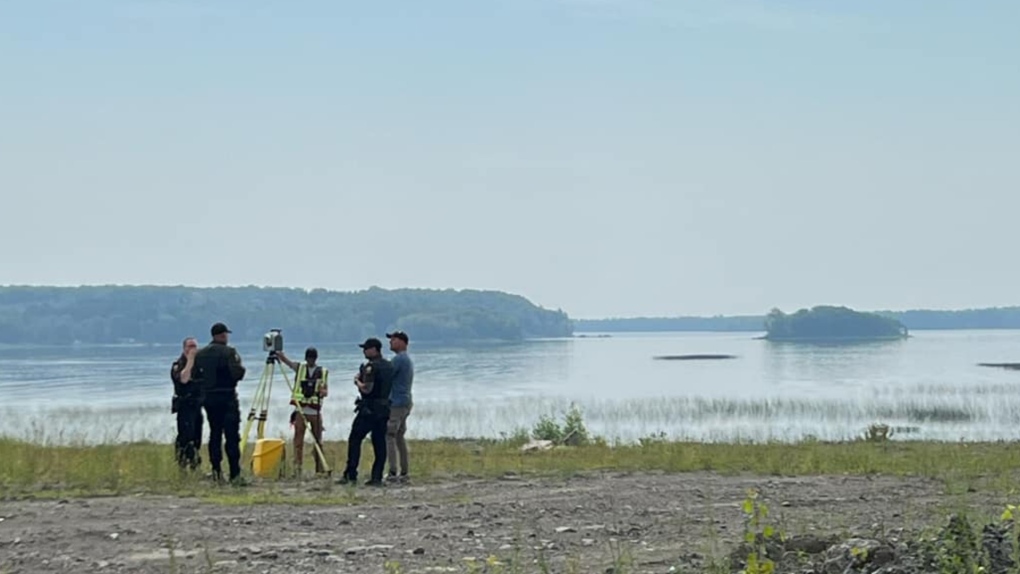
298	397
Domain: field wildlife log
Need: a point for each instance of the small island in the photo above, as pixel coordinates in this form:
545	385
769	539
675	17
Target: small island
828	323
701	357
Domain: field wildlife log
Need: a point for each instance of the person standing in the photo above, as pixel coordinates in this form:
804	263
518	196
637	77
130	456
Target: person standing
400	407
187	404
311	386
374	382
218	366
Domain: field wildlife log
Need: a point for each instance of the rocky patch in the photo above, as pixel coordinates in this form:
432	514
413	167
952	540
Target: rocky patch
612	522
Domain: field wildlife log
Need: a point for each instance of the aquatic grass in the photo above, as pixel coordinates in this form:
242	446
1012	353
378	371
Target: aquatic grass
930	412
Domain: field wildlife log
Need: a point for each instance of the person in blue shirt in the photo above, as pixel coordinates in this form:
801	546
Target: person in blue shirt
400	406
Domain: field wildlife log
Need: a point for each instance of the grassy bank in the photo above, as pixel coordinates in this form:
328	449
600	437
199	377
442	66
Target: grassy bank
27	468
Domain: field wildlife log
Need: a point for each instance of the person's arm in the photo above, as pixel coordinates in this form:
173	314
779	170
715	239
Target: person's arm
185	375
399	367
175	373
283	359
324	389
366	380
386	379
237	369
396	363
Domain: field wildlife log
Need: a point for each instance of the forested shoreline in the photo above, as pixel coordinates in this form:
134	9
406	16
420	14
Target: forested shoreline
156	314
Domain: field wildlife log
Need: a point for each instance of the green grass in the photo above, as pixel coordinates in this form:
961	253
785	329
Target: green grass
41	470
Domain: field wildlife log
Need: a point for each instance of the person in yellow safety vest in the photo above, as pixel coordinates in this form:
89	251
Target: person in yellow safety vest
311	386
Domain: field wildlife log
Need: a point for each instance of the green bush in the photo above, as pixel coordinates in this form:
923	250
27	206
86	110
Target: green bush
572	432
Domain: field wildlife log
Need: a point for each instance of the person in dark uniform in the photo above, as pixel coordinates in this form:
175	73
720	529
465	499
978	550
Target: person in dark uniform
374	382
187	404
218	366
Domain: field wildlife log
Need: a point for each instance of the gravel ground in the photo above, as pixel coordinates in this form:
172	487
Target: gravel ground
637	522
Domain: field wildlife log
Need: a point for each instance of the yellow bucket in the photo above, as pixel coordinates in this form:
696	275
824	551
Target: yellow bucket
267	456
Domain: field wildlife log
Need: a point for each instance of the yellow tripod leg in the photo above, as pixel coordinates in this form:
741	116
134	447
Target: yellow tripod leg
260	430
259	399
251	415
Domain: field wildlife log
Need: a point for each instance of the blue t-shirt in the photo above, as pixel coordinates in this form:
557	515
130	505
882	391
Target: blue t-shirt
403	377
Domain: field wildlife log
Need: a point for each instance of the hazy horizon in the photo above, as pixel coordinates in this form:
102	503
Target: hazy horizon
537	303
612	158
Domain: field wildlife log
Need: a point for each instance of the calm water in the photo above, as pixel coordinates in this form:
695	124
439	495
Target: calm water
927	387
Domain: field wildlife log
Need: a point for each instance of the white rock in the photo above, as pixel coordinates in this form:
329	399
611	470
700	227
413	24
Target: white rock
537	445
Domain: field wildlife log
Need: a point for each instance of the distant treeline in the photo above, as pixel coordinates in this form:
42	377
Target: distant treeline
662	324
919	320
151	314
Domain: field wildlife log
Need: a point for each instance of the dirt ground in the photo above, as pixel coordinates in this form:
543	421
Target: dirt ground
647	522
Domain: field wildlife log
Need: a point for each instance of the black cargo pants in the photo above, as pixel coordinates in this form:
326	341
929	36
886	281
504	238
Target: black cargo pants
223	411
189	432
366	423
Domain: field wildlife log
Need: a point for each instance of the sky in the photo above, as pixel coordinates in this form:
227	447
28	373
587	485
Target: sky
605	157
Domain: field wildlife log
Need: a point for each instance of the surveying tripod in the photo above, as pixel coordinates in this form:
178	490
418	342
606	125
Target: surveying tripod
261	404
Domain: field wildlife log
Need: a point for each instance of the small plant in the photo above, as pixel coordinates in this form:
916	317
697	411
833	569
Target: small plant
209	564
956	549
573	432
547	429
493	565
878	433
1009	530
757	534
517	437
622	558
653	439
393	567
171	545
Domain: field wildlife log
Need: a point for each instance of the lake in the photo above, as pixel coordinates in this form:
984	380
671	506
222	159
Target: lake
925	387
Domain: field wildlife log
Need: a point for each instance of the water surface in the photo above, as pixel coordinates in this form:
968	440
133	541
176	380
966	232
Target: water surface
927	387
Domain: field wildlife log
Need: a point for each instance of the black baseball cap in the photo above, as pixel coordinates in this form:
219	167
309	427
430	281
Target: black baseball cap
219	329
312	352
371	342
398	334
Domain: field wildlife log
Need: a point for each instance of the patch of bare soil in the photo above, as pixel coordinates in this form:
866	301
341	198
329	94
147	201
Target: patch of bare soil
628	522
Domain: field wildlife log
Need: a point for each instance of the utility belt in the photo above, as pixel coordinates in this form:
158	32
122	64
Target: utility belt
372	406
304	405
219	396
179	401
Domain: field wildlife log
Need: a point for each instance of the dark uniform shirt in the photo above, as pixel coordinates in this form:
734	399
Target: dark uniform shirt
218	369
183	390
378	373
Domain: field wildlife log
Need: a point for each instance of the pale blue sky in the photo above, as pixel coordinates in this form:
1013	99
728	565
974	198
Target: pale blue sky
609	157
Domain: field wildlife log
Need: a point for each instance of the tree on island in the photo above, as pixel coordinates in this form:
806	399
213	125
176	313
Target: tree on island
826	323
